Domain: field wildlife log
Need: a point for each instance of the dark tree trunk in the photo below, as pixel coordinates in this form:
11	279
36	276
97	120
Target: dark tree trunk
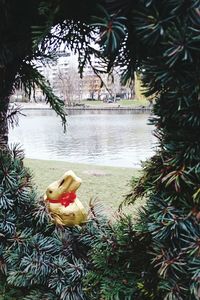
16	45
3	122
7	77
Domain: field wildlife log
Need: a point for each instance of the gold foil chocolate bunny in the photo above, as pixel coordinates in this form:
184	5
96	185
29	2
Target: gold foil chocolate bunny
62	202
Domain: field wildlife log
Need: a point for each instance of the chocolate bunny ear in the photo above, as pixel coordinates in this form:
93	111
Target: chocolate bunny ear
70	181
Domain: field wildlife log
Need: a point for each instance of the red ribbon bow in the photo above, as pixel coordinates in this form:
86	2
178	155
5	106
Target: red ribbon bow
64	199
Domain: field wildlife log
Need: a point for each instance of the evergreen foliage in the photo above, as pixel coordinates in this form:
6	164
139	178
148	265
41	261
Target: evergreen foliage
17	198
33	31
171	178
39	260
120	266
157	257
167	52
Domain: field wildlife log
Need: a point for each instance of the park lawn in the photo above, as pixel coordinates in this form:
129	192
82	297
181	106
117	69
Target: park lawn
92	102
123	102
134	102
106	184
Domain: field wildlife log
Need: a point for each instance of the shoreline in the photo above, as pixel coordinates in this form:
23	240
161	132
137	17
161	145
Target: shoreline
83	164
112	107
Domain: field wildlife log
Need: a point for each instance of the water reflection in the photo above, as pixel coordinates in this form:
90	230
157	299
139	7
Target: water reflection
97	137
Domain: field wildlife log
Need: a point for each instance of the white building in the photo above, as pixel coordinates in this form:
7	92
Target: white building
58	70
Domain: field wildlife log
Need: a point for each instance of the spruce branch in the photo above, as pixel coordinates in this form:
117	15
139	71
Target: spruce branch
30	78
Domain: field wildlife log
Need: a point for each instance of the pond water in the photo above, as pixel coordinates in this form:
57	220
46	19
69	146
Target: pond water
96	137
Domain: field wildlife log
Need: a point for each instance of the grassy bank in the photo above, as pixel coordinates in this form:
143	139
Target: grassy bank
123	103
107	184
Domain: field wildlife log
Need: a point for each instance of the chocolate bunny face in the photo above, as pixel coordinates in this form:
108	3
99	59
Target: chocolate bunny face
69	182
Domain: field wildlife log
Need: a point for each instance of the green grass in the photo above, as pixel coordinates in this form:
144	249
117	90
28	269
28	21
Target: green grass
106	184
133	102
92	102
124	102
